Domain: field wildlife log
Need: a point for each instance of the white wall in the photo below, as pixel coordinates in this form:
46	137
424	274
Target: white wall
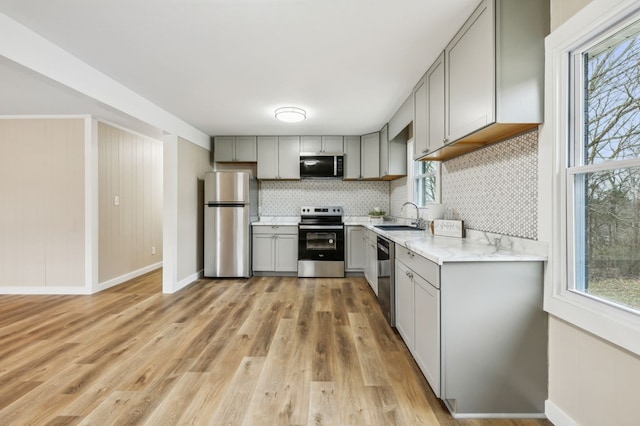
193	162
42	208
591	381
130	168
561	10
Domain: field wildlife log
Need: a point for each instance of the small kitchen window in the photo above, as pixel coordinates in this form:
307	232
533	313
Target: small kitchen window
426	185
589	172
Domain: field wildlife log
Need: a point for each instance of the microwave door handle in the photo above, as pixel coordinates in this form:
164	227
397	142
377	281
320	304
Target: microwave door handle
335	165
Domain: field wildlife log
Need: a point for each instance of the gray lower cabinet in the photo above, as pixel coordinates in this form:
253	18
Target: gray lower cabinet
404	304
477	331
418	311
275	248
494	338
371	259
355	249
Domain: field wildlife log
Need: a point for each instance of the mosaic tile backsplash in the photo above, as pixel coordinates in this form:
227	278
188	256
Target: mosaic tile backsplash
284	198
495	189
397	197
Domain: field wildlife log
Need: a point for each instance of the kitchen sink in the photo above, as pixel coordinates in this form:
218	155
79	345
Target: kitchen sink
397	228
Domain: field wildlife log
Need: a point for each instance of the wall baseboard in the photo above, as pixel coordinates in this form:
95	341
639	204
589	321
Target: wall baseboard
188	280
557	416
44	290
126	277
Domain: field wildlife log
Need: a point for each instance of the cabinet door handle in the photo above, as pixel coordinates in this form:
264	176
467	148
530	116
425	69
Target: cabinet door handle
411	255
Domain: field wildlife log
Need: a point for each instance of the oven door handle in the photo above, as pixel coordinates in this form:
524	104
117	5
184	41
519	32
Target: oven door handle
320	228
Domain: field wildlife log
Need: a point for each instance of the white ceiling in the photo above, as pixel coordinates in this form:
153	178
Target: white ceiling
223	66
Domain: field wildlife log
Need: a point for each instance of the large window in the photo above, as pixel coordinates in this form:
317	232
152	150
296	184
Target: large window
603	174
589	171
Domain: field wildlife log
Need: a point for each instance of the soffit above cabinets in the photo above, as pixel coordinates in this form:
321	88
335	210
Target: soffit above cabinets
221	67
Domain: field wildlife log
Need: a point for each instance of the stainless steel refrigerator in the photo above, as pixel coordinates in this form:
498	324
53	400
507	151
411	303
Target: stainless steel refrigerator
230	205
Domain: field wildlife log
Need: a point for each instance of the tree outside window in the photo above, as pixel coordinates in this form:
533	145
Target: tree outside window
606	172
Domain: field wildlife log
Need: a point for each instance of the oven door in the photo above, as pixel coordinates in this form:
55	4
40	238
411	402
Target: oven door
321	242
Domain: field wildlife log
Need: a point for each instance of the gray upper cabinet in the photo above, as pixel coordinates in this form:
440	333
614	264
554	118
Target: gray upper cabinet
278	157
311	144
267	157
429	110
494	78
352	158
435	82
384	150
246	149
333	144
471	73
370	156
289	157
420	144
235	149
393	154
224	148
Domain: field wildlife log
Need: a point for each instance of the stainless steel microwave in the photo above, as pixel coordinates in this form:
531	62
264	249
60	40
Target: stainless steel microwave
321	165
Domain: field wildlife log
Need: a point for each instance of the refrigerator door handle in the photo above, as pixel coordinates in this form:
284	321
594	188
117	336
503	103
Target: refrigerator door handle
225	204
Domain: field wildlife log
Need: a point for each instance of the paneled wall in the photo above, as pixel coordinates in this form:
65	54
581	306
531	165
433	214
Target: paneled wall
284	198
193	162
130	228
42	203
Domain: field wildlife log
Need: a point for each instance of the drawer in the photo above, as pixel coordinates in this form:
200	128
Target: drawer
427	269
275	229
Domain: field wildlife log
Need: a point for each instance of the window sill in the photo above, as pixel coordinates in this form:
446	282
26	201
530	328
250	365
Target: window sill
606	322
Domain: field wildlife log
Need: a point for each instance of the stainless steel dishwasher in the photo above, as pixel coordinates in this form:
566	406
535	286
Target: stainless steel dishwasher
386	279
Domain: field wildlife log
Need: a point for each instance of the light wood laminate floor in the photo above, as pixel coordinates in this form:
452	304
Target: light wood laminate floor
263	351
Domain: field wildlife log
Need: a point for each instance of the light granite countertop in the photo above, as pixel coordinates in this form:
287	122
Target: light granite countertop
277	221
476	247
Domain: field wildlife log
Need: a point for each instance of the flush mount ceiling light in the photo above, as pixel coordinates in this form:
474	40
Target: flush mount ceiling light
290	114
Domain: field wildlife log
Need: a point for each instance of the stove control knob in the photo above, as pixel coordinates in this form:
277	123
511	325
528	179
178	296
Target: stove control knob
330	240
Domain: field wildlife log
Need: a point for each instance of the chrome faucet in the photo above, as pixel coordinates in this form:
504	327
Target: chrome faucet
417	221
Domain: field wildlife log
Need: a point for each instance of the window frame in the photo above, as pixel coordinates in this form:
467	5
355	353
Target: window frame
411	176
593	23
415	177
